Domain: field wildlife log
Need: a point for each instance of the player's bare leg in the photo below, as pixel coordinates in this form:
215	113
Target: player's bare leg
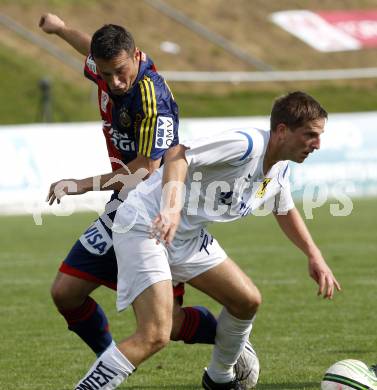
86	318
83	314
153	311
178	320
69	292
241	299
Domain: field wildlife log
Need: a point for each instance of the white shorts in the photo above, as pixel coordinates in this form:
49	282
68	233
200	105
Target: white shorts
141	262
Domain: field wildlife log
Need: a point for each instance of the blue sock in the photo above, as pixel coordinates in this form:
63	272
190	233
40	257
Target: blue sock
199	326
90	323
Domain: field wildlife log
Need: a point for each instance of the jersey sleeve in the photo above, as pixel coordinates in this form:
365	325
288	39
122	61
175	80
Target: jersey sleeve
283	200
156	129
90	69
234	147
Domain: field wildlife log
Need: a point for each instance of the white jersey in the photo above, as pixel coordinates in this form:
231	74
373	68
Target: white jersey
225	182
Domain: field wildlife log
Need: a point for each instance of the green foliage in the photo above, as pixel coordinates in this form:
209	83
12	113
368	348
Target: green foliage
334	98
297	334
20	96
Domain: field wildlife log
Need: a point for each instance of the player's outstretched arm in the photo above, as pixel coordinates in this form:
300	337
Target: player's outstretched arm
52	24
295	229
120	180
166	223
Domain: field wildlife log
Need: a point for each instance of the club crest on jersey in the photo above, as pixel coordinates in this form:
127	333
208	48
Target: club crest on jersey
262	188
124	118
104	101
164	132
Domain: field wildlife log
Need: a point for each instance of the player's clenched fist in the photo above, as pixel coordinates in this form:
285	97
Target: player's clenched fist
51	23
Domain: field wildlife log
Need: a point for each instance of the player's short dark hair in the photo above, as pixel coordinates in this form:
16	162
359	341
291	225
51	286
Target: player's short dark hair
110	40
295	110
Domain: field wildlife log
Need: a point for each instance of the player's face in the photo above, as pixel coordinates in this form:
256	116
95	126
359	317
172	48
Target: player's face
120	71
304	140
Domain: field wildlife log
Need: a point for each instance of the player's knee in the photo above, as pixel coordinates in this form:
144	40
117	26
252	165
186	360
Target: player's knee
247	305
255	299
57	295
156	338
62	297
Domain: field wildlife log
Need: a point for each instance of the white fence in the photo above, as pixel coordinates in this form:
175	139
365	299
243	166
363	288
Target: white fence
33	156
271	76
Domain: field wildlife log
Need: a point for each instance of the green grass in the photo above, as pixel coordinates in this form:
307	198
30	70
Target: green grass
20	98
335	98
297	334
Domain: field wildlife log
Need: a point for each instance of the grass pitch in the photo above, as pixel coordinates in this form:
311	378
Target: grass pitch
297	334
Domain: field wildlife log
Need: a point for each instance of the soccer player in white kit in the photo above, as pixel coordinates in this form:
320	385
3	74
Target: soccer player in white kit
217	179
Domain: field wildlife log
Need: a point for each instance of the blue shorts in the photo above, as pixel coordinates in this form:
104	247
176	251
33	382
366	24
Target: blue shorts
92	257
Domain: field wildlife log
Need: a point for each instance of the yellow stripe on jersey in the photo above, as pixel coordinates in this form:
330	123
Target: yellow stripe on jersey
150	114
154	117
141	131
147	140
147	118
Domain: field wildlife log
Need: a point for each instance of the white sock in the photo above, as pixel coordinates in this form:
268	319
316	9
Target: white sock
231	336
107	372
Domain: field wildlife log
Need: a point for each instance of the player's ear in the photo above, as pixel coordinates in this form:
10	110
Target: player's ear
281	130
137	54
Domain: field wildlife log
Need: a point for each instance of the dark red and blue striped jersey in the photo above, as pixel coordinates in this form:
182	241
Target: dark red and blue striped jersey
142	121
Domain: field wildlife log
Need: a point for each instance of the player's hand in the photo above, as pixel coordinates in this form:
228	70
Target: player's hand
322	274
164	227
128	180
51	24
66	187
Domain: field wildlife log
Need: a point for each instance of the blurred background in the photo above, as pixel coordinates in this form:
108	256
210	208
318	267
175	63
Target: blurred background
186	36
221	59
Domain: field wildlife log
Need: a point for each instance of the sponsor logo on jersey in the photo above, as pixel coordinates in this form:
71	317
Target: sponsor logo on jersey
121	141
91	64
104	101
100	376
262	188
164	132
96	240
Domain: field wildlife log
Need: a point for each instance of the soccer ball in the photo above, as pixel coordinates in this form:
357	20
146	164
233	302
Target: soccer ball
247	367
348	375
